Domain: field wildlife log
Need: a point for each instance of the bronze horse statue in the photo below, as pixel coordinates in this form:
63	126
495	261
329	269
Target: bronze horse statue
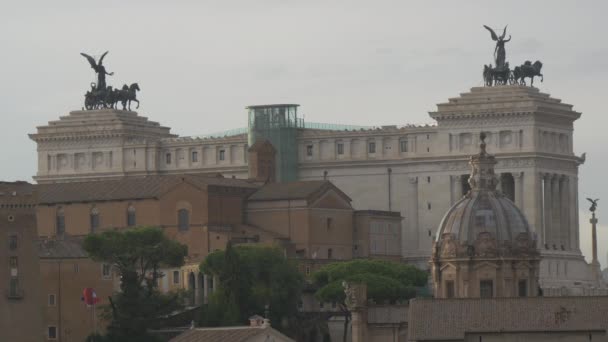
126	95
528	70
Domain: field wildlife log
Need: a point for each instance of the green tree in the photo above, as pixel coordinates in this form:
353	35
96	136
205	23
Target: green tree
385	280
137	255
250	279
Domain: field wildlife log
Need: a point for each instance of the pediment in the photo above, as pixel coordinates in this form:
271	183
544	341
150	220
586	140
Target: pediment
331	199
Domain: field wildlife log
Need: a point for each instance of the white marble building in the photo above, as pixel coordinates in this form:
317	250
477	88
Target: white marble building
417	170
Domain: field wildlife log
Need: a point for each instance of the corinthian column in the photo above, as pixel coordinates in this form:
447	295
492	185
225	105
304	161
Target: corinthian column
518	189
412	242
555	211
455	188
573	203
564	191
547	217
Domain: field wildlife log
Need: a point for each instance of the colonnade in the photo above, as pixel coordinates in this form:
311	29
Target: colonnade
559	196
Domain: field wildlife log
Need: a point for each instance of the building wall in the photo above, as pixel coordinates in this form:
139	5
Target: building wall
549	336
65	279
20	307
111	215
530	133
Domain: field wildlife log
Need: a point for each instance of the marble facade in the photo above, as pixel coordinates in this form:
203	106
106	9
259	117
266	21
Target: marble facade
419	171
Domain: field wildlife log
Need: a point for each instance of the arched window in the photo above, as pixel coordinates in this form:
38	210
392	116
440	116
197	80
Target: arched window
183	219
94	218
60	222
131	221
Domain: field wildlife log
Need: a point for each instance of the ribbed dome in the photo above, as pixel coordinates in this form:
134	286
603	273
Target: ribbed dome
484	222
480	212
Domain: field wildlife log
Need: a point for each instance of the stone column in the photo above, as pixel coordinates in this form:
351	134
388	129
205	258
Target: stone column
205	289
347	148
595	264
564	191
547	216
555	211
455	188
573	208
518	189
356	302
196	289
412	216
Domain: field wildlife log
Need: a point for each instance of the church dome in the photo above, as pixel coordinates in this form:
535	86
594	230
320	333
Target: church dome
484	222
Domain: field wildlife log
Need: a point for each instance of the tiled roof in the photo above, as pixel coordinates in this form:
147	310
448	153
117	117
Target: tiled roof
128	188
68	247
449	319
228	334
292	190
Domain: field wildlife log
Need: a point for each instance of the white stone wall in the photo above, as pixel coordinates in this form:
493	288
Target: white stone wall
530	133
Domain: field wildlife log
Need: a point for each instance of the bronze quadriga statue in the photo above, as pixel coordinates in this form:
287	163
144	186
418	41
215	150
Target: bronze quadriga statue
102	96
502	74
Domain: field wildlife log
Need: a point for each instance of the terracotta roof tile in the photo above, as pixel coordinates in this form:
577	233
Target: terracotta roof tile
128	188
227	334
292	190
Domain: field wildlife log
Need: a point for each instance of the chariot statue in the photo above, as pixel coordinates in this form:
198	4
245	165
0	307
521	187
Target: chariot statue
501	74
103	96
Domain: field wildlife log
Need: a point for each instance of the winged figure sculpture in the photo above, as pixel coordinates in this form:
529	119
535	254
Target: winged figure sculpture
500	54
593	204
100	70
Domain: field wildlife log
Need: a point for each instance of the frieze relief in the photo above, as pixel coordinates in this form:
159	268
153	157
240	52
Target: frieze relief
511	120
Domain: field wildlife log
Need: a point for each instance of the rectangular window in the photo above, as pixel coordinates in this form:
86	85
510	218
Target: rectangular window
52	333
307	270
194	156
12	242
449	289
328	223
340	148
403	145
51	300
309	150
329	253
222	154
106	271
486	289
523	288
12	261
175	277
76	268
428	179
321	305
168	158
60	225
371	147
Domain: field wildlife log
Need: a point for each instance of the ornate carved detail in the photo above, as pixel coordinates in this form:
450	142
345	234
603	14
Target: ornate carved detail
356	295
448	246
485	245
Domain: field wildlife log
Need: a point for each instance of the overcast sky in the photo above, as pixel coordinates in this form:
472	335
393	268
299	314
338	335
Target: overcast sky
199	63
